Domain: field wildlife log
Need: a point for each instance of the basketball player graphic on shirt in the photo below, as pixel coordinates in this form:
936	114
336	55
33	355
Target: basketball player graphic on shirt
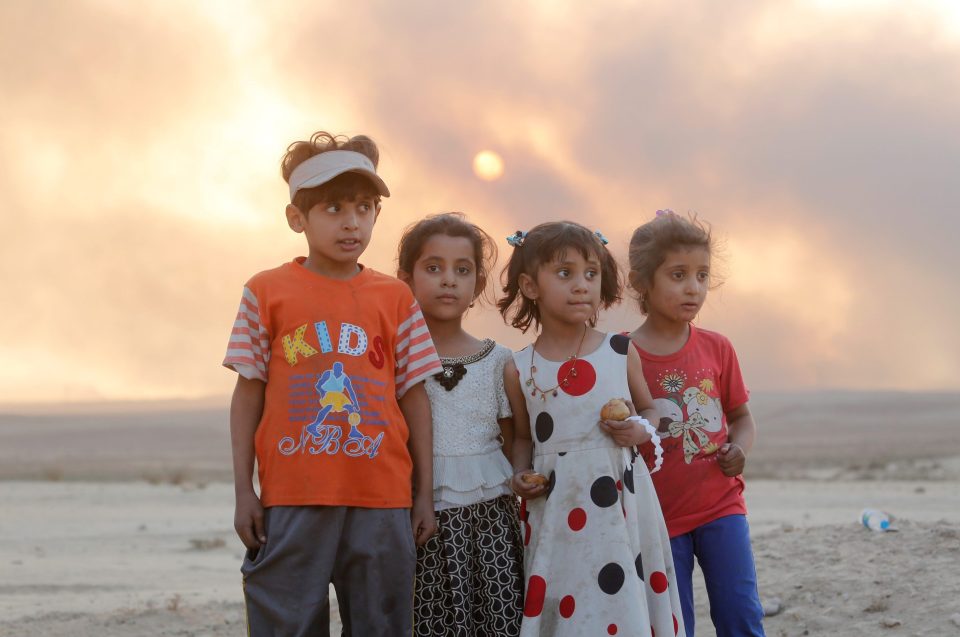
336	395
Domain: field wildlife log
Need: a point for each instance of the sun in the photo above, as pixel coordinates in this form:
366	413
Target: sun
487	165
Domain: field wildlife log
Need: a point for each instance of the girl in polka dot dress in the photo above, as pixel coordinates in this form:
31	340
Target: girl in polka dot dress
469	578
597	559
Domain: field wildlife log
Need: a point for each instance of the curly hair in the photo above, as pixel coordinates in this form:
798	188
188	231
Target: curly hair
346	186
543	244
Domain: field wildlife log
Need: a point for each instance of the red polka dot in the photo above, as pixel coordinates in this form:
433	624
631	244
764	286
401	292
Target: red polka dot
577	519
653	633
676	626
658	582
619	485
580	384
567	606
536	591
526	533
612	629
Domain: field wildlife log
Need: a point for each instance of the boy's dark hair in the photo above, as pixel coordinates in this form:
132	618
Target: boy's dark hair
651	242
543	244
347	186
451	224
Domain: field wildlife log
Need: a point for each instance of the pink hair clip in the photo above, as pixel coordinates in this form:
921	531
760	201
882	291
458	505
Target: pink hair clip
667	211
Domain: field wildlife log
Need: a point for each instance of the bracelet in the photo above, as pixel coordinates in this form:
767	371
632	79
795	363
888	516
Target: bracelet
655	439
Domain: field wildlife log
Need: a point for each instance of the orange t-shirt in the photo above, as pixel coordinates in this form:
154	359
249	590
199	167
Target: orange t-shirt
336	355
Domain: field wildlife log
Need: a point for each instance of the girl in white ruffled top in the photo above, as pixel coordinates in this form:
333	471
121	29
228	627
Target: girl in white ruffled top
469	578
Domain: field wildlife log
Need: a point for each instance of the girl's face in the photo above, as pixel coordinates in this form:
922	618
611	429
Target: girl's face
444	277
680	285
566	289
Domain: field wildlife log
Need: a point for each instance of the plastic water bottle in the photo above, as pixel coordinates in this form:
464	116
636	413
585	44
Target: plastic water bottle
875	520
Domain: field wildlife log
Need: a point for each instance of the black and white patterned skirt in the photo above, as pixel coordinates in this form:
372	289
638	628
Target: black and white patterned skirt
470	573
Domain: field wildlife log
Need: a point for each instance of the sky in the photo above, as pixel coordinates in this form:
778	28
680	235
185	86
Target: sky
140	184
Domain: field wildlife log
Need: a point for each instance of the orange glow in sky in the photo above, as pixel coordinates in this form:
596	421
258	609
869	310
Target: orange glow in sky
140	185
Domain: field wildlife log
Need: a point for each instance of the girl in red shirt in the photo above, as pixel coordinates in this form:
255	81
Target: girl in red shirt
705	424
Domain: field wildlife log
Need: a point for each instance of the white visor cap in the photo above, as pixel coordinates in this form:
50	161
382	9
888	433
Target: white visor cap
321	168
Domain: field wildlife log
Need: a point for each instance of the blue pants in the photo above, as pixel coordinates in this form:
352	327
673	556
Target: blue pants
722	549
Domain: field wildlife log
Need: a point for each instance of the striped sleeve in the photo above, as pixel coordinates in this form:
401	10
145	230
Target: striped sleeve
416	356
248	352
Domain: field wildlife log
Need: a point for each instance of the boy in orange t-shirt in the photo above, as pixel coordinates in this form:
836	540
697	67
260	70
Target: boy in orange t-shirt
330	357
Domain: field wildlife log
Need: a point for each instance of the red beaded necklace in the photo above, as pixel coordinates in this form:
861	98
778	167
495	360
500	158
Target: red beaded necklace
565	381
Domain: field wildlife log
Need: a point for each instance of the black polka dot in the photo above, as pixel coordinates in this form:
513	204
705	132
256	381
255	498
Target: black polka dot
628	478
611	578
604	492
620	343
544	426
562	453
639	564
551	484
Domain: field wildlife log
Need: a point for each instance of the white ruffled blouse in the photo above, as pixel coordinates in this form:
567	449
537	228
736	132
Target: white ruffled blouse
468	463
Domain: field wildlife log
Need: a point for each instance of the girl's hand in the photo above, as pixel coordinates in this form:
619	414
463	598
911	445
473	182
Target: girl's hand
731	459
422	519
626	433
525	489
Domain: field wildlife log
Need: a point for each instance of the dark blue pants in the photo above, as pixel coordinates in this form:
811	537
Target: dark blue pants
722	549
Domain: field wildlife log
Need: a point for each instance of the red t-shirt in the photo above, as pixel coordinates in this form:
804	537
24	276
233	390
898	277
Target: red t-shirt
336	355
693	389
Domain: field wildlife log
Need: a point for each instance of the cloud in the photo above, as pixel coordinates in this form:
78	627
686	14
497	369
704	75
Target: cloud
139	170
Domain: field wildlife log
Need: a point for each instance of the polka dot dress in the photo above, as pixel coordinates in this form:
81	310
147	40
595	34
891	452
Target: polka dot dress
597	555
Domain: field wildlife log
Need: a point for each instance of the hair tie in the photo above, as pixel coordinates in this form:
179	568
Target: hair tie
602	238
517	238
667	211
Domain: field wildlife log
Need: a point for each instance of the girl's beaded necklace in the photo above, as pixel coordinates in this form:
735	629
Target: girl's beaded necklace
565	381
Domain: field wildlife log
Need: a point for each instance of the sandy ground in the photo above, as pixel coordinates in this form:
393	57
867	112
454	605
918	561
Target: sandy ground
116	520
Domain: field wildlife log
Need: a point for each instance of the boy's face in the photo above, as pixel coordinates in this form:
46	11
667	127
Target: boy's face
337	233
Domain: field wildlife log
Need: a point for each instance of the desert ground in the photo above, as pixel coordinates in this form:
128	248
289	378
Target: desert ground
117	518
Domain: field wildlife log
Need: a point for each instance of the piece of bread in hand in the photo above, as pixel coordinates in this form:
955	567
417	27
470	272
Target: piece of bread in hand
615	409
537	479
